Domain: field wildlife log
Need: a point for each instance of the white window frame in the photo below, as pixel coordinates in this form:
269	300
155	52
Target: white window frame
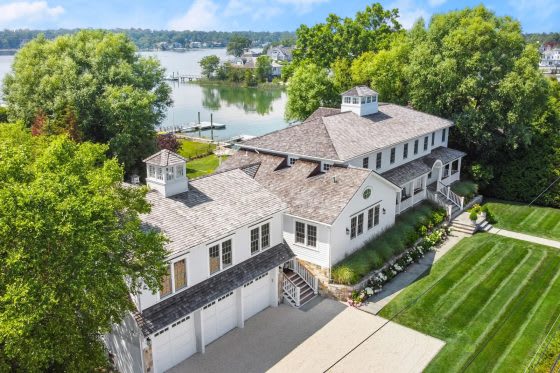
365	162
306	235
326	167
355	100
259	239
179	171
347	100
378	160
159	173
405	151
220	245
393	155
151	171
443	134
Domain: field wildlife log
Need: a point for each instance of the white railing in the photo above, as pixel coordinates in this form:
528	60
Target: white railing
291	290
306	275
450	195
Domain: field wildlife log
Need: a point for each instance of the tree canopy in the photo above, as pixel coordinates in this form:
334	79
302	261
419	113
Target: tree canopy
95	79
347	38
209	65
237	45
71	251
263	68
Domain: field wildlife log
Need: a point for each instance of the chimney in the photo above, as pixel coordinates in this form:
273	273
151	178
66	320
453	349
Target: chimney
361	100
167	173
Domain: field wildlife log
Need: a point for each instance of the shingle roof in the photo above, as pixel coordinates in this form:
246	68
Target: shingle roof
346	135
169	310
361	90
310	194
213	207
165	158
421	166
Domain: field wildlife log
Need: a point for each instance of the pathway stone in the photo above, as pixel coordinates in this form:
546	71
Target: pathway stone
525	237
376	302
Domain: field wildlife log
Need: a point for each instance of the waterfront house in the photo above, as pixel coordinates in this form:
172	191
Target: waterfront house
280	53
276	217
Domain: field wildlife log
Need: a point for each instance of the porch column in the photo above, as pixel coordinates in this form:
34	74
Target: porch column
399	196
199	331
459	168
275	273
239	304
411	192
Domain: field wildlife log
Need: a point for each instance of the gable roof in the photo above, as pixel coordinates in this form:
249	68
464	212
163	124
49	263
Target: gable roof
361	90
214	207
310	194
341	136
165	158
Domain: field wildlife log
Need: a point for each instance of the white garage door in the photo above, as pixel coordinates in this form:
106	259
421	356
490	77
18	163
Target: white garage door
173	344
256	295
220	317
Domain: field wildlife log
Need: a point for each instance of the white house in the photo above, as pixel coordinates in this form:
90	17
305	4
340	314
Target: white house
225	254
348	172
280	53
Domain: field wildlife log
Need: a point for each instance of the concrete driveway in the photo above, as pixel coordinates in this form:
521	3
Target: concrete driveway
326	335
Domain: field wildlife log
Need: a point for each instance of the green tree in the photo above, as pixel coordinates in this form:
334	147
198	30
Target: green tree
209	65
249	78
3	114
72	249
473	67
341	75
237	45
346	38
263	68
116	96
308	89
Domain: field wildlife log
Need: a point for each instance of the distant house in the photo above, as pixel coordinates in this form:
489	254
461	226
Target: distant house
280	53
196	44
550	56
276	69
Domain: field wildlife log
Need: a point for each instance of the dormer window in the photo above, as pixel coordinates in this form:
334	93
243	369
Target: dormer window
291	161
326	167
355	100
347	100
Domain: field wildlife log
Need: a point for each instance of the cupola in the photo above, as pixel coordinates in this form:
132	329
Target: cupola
166	173
361	100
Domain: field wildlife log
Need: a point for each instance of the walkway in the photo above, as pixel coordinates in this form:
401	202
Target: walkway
324	335
412	273
525	237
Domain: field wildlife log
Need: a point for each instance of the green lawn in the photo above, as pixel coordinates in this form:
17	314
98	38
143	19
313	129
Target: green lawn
191	149
492	299
538	221
202	166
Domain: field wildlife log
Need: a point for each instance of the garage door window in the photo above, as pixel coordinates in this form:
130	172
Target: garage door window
180	272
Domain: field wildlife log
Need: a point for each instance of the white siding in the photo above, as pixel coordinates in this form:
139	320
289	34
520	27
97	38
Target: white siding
318	255
341	243
198	268
386	157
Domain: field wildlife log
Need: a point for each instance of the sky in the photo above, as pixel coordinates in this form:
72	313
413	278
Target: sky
255	15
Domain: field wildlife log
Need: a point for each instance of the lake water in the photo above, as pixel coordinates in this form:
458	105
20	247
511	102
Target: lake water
245	111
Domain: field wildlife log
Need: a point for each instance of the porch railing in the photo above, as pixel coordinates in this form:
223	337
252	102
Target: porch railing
305	274
458	200
291	290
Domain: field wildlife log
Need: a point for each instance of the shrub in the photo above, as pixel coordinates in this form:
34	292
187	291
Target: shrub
374	259
466	188
385	251
473	215
168	141
343	274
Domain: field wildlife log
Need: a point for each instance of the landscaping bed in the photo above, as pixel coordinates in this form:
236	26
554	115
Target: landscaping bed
404	234
492	299
533	220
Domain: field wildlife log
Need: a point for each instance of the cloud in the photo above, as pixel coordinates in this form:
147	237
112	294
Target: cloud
302	6
409	12
29	10
201	16
434	3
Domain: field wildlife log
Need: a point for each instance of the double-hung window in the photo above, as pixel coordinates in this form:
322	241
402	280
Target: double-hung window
180	274
306	234
376	215
416	146
260	238
425	143
347	100
360	224
443	133
433	138
151	171
357	225
393	151
373	217
405	151
179	170
220	256
365	162
378	161
370	218
159	173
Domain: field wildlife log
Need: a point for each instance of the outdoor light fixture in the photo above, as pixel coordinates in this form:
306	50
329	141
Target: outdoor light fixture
347	231
384	211
149	342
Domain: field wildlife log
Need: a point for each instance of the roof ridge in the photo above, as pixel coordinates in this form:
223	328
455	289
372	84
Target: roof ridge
330	138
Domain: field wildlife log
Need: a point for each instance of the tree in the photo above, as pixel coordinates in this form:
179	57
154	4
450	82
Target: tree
72	249
341	76
168	141
308	89
209	65
263	68
249	78
117	97
346	38
237	45
3	114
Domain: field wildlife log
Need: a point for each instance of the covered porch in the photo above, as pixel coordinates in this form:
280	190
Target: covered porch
427	176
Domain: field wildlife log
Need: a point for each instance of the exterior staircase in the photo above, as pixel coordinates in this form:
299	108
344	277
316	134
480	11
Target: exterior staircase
459	226
299	285
306	293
